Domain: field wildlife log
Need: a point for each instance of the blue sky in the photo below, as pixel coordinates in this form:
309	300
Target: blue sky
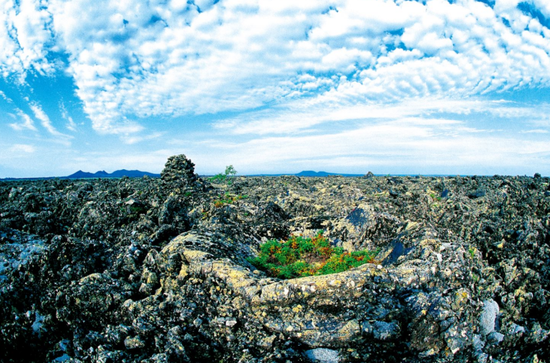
388	86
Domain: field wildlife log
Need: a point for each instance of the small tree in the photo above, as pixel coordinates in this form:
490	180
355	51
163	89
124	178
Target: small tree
220	178
230	171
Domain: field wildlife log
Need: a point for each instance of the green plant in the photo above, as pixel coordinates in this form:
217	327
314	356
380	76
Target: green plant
435	197
228	199
230	170
300	256
220	178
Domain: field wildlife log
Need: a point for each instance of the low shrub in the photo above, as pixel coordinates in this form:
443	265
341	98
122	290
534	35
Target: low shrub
225	177
300	256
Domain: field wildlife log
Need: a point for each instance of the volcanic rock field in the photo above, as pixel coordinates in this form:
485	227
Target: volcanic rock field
156	269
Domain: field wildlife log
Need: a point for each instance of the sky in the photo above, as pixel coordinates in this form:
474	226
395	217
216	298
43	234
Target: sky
453	87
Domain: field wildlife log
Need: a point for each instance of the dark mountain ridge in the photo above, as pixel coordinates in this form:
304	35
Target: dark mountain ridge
115	174
98	174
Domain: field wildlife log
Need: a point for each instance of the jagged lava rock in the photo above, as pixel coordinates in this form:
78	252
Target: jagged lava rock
155	270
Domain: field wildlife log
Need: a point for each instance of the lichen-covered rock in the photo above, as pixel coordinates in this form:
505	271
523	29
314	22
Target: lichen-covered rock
156	270
488	317
323	355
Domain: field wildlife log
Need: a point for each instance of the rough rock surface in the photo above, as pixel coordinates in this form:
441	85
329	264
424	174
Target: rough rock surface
155	270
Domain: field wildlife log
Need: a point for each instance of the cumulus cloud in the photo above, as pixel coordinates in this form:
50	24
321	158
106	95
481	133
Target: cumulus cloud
136	61
25	39
6	98
131	61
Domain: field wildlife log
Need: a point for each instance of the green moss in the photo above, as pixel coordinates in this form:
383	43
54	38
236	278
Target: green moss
300	256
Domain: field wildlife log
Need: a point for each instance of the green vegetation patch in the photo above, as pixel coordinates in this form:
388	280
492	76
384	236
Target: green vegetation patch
224	178
300	256
228	199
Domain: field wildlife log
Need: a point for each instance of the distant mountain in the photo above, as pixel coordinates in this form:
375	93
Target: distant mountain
116	174
81	175
102	174
132	174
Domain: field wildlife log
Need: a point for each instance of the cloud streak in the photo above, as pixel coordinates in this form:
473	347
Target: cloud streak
44	119
26	124
298	117
29	149
406	145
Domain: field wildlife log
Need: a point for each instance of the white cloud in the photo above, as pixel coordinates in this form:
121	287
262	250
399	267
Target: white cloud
45	120
302	117
71	125
408	145
25	38
131	139
152	60
26	124
133	61
23	148
6	98
543	6
355	18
